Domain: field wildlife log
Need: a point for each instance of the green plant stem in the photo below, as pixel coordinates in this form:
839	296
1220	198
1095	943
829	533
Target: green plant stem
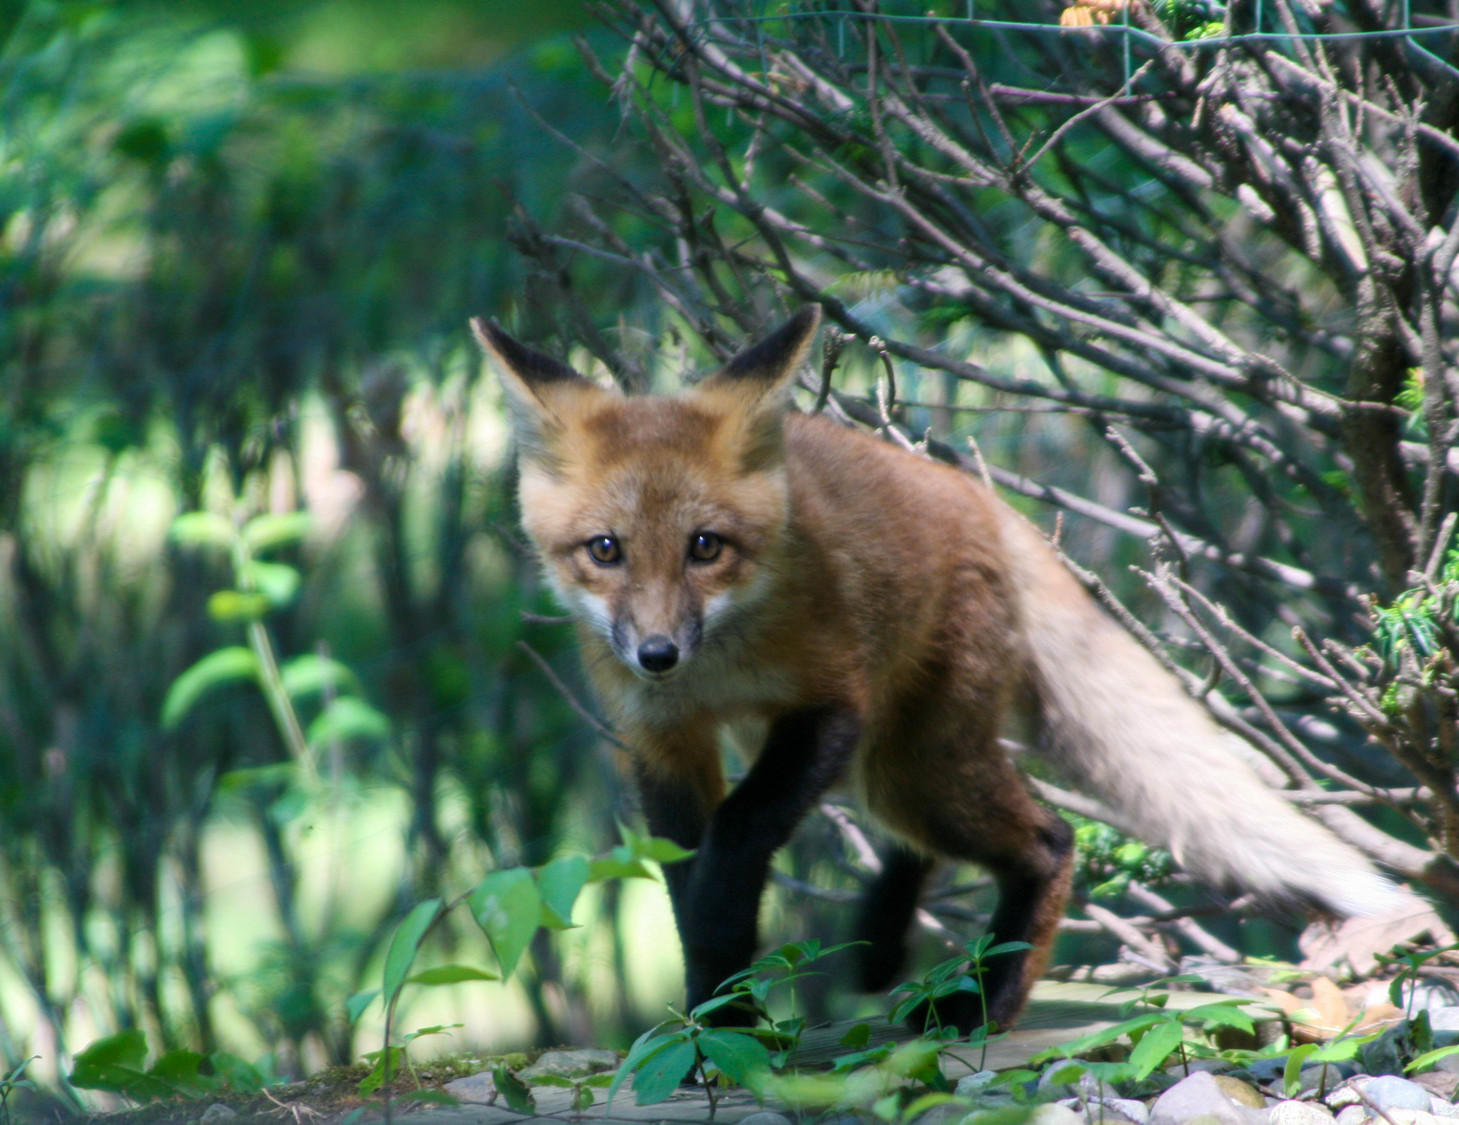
279	703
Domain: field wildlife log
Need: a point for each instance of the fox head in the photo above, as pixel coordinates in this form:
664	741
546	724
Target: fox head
659	520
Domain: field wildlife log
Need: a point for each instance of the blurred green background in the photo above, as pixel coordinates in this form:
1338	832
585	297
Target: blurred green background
238	246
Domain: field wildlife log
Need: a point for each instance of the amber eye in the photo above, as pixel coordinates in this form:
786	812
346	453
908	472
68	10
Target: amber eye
604	550
705	546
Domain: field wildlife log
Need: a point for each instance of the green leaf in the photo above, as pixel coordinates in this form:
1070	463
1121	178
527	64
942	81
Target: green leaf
434	1029
512	1088
1086	1043
347	719
182	1070
225	666
858	1037
239	1074
620	863
1343	1048
1292	1072
203	529
661	1073
738	1054
450	974
355	1006
1214	1016
1155	1046
274	529
115	1064
559	883
507	906
391	1058
406	942
645	1045
125	1048
1430	1057
229	606
277	581
582	1098
659	849
311	675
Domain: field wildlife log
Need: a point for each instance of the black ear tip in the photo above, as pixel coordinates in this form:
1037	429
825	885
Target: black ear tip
487	332
782	347
806	318
521	360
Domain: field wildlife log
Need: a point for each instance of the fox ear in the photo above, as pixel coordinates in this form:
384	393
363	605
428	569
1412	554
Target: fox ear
770	365
541	391
755	385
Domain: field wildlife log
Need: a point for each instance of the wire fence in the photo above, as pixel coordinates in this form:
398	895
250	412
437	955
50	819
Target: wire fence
1123	29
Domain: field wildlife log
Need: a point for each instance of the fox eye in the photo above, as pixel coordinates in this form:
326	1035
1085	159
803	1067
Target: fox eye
604	550
705	546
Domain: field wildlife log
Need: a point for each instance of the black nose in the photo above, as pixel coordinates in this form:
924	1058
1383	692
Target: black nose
658	654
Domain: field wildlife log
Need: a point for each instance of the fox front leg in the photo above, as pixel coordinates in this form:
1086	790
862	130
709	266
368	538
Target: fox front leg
716	895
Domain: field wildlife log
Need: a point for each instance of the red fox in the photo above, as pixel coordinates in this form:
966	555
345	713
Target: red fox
852	613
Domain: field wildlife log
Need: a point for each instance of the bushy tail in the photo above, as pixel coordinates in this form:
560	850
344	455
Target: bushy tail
1121	728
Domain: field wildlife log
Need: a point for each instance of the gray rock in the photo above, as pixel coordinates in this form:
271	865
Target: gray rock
1387	1053
1060	1080
1201	1096
1444	1019
1353	1115
1052	1113
1442	1084
570	1064
1110	1109
1300	1113
217	1112
1242	1093
1265	1070
971	1085
475	1089
765	1117
1389	1092
1323	1077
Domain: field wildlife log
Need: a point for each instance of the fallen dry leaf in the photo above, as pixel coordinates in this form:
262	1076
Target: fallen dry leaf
1355	942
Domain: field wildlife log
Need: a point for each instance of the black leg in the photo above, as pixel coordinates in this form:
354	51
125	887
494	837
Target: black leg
719	899
886	913
675	811
1031	896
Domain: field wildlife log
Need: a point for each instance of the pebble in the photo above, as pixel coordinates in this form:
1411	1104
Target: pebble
1300	1113
570	1064
1052	1113
1440	1083
1201	1096
971	1085
1110	1109
1242	1093
217	1112
765	1117
475	1089
1389	1092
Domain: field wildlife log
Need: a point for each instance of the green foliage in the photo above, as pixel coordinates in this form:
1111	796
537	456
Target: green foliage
1158	1034
9	1083
1109	860
510	906
117	1063
1415	620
